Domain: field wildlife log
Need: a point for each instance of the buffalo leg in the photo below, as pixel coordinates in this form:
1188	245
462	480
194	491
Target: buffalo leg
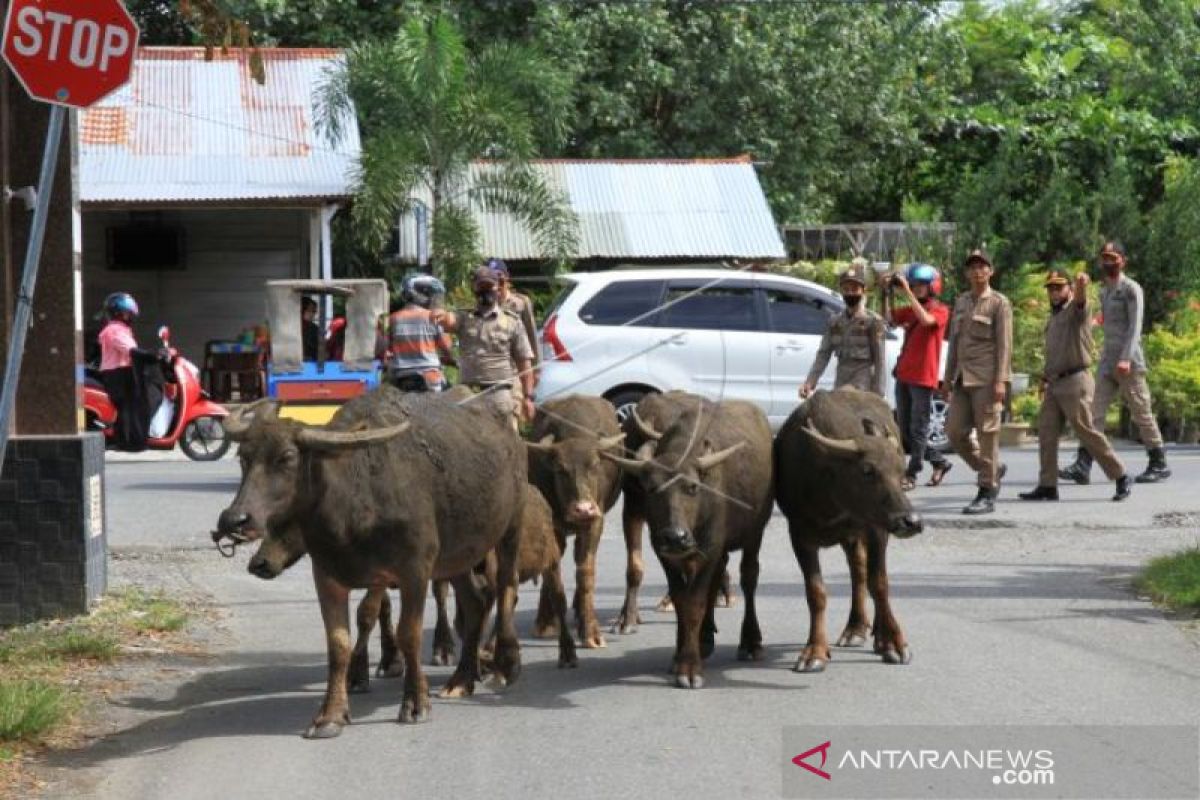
415	707
857	626
750	644
691	607
547	623
334	713
727	598
391	662
360	658
552	581
632	524
507	660
816	653
708	631
443	636
469	598
586	545
889	638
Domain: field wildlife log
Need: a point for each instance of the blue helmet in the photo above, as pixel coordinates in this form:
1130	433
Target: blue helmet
421	289
924	273
120	303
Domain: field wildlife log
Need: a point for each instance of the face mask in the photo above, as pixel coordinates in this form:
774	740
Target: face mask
852	300
486	298
1111	270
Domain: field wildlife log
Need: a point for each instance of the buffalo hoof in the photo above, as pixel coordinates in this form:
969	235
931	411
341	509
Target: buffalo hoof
390	668
497	682
811	662
546	630
851	638
623	625
750	652
689	681
893	656
593	640
443	655
324	730
568	660
358	685
414	712
665	604
455	690
726	600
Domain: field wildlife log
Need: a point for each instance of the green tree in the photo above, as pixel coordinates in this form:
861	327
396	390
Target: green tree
427	108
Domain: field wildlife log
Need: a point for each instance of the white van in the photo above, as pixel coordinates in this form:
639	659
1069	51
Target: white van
720	333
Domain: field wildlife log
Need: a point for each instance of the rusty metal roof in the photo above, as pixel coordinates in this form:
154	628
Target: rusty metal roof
185	129
631	208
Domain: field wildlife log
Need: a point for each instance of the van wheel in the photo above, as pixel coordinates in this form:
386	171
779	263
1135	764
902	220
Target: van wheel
204	439
624	401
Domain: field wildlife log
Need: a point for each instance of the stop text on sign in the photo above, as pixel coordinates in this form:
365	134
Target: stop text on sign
84	42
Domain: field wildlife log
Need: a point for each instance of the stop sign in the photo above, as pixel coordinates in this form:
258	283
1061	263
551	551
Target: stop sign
68	52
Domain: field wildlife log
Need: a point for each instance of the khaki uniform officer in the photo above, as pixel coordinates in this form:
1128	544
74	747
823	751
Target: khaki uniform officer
521	306
1122	367
1069	387
978	363
494	351
856	337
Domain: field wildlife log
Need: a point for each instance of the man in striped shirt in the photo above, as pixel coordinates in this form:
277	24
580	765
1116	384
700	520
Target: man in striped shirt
418	347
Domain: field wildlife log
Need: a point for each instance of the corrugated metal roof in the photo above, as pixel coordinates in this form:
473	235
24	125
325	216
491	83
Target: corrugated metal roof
186	129
643	209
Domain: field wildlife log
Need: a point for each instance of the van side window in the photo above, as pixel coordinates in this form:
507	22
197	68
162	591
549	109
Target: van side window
795	312
716	308
623	303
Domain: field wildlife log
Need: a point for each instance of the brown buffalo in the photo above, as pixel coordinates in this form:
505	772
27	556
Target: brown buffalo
568	438
708	491
838	467
399	489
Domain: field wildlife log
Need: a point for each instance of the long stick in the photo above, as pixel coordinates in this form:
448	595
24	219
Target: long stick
33	256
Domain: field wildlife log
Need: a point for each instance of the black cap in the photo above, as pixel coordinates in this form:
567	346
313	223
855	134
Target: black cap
483	276
1056	277
978	254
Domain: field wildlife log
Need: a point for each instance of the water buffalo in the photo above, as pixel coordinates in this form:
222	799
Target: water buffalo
398	489
838	467
653	414
568	437
708	491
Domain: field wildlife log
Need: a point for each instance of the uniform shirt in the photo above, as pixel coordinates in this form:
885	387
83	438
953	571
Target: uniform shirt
1122	306
522	306
980	341
857	339
116	340
922	353
416	344
490	345
1068	340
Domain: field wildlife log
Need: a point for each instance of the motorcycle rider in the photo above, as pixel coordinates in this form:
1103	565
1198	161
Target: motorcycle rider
417	346
131	376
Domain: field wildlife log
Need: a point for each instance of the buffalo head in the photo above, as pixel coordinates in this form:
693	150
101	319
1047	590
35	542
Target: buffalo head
576	471
867	470
683	487
277	492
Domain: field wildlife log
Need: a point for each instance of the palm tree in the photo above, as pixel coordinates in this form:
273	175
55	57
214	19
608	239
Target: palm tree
427	108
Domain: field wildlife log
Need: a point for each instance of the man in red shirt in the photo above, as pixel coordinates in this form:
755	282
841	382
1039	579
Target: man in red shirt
924	320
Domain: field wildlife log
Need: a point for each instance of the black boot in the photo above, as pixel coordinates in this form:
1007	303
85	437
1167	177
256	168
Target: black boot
1124	488
1040	493
984	502
1157	470
1081	470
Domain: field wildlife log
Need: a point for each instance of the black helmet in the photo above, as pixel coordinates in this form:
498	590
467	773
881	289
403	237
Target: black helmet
421	289
120	303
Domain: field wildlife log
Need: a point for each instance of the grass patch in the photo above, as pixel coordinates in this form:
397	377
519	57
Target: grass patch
1174	579
31	708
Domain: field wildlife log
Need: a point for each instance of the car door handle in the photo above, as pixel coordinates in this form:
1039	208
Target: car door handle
678	339
789	346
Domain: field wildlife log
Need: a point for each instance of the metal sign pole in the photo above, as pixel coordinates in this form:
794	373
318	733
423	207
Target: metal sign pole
33	255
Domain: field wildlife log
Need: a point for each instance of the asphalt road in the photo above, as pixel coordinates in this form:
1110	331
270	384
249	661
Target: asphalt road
1025	616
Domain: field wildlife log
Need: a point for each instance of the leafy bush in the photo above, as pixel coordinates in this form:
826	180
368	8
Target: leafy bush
1174	374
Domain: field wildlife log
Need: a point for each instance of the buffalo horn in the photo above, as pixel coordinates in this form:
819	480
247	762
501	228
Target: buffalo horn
635	465
645	428
611	442
542	446
846	447
707	462
322	439
238	421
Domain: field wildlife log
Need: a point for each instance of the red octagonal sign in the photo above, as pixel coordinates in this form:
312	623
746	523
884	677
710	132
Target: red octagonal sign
68	52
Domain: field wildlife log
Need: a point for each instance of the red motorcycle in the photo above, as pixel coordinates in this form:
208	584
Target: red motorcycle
195	419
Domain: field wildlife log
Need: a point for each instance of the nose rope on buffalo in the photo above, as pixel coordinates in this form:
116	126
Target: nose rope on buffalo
696	434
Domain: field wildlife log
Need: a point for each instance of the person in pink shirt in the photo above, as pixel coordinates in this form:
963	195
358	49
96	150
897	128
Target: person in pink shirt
121	381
